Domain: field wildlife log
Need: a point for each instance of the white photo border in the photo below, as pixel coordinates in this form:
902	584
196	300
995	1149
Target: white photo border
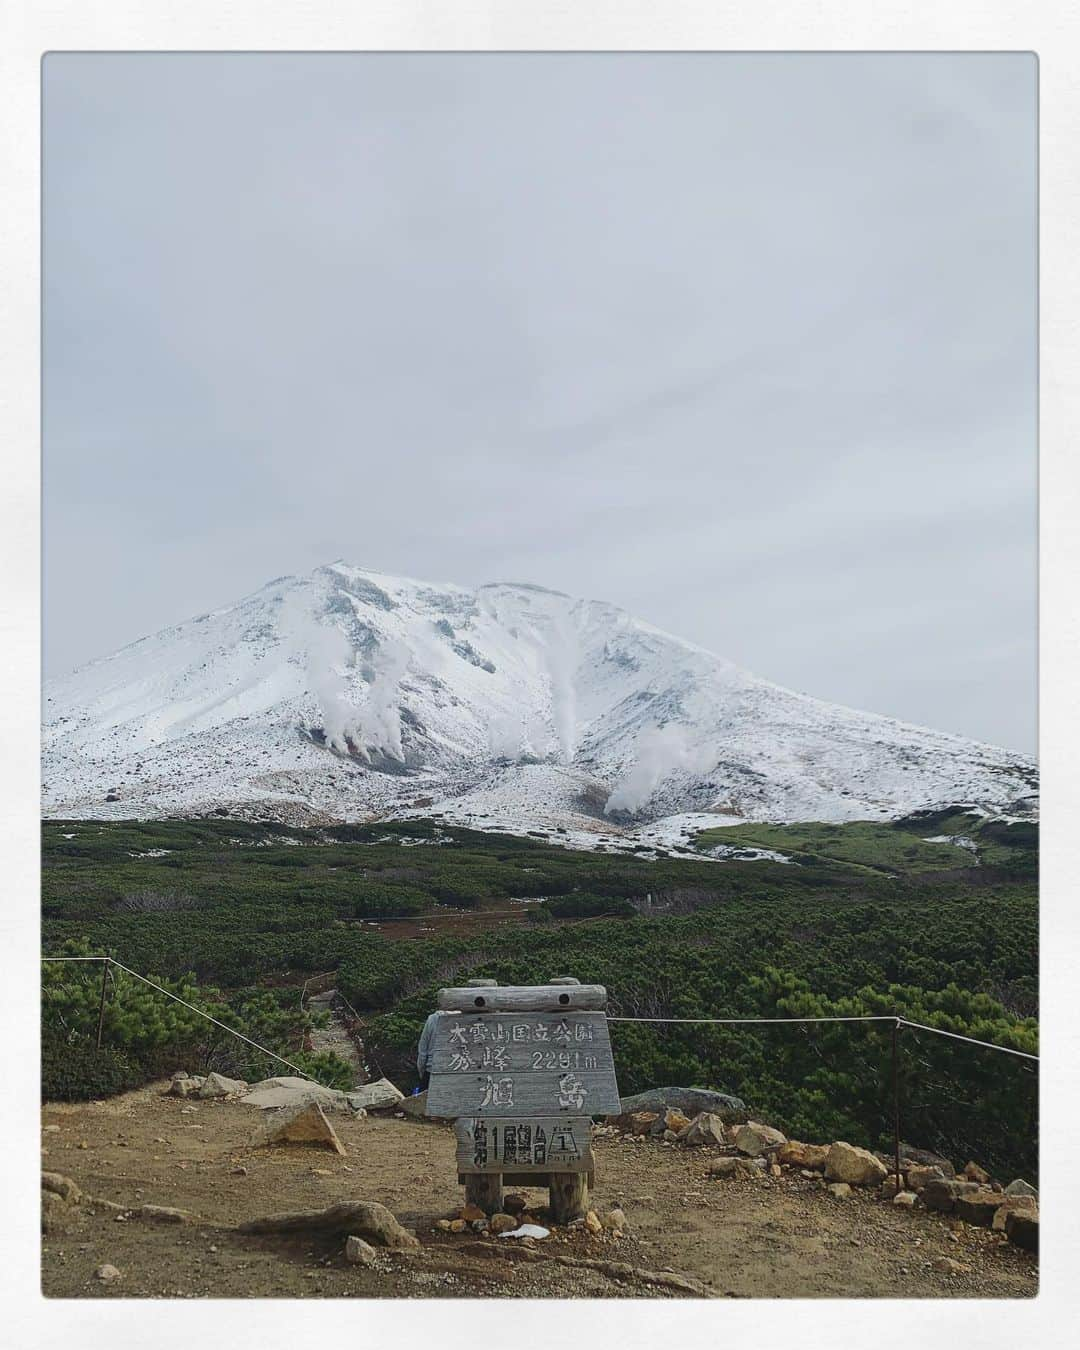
31	29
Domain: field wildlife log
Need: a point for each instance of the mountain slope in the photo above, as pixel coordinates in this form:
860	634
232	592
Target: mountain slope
349	693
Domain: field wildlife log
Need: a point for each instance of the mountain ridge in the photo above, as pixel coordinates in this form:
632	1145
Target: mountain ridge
350	693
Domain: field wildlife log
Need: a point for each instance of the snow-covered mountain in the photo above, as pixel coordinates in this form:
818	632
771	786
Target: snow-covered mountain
348	694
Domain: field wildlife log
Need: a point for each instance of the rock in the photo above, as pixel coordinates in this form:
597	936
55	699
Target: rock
358	1252
305	1123
458	1225
941	1193
705	1128
905	1199
670	1137
918	1174
973	1172
675	1120
690	1101
292	1091
238	1172
1012	1204
367	1219
50	1129
775	1170
725	1167
57	1216
945	1265
890	1187
754	1139
803	1155
502	1223
183	1085
375	1096
592	1222
443	1225
856	1166
106	1273
1022	1228
479	1225
641	1122
978	1207
470	1213
735	1168
515	1204
924	1157
1021	1188
161	1214
840	1190
62	1186
615	1220
217	1085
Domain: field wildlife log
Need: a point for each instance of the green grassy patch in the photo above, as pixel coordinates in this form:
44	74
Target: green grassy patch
893	847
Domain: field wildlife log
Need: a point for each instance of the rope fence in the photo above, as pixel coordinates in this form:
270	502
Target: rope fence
111	961
893	1020
869	1017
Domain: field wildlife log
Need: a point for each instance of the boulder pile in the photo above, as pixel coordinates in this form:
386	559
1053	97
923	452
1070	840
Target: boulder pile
287	1091
750	1150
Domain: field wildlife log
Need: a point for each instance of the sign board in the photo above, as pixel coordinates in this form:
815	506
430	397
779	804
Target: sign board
541	1064
522	1145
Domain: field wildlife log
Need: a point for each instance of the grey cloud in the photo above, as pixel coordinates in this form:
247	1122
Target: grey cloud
743	343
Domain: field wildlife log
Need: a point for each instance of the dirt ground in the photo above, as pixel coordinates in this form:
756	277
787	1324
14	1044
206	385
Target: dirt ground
771	1238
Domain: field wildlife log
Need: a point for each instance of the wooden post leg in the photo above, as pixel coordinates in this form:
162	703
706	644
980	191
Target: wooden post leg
568	1194
485	1190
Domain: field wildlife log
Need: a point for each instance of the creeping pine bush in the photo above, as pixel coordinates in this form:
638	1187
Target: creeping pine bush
72	1070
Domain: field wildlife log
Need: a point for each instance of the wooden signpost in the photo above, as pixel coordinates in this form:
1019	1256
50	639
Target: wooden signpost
522	1069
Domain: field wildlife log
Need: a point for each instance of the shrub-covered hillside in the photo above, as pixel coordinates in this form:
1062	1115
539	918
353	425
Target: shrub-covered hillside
859	922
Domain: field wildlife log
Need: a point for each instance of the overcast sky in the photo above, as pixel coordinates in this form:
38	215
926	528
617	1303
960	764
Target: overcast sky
745	344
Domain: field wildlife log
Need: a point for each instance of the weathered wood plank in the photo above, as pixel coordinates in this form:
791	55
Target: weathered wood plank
525	998
536	1180
518	1043
538	1145
570	1093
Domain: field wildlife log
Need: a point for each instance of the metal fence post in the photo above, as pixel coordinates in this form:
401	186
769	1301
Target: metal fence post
101	1007
896	1099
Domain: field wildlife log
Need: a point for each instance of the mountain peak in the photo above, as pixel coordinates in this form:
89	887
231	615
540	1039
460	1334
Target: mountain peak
349	693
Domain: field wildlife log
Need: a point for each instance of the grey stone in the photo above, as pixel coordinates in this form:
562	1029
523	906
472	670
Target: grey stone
754	1139
306	1123
217	1085
375	1096
706	1128
358	1252
62	1186
690	1101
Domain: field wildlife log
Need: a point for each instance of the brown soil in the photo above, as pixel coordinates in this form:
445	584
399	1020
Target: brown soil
777	1237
